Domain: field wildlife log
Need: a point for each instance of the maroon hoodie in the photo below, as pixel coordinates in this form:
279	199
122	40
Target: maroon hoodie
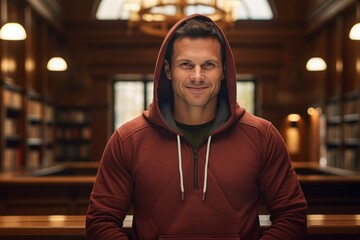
148	165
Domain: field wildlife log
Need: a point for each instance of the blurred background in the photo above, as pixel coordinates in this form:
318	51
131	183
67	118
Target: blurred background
73	71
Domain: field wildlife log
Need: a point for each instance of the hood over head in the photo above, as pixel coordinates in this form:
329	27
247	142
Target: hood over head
160	110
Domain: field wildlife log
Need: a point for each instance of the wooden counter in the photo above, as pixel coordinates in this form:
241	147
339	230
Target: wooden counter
329	227
64	189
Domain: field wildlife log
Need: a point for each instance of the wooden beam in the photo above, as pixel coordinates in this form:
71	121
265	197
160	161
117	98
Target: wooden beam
52	11
324	11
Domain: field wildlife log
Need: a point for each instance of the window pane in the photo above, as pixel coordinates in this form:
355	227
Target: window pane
149	92
246	95
128	101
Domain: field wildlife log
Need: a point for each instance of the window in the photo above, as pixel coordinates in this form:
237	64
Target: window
246	94
241	9
131	98
134	93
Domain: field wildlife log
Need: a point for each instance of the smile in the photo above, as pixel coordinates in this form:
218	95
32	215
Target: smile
197	87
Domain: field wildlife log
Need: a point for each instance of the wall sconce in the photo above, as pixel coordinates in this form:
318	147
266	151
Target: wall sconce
12	31
316	64
57	64
293	118
354	33
293	134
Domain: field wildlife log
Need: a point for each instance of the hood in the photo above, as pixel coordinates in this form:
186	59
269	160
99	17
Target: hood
160	109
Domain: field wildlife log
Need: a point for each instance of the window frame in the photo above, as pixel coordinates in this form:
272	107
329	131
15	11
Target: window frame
147	81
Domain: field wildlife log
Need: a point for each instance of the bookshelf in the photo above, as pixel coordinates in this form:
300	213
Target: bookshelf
73	134
351	119
34	131
343	132
35	134
334	132
11	127
27	129
49	134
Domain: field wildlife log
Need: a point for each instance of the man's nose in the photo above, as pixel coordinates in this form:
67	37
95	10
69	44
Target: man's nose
198	75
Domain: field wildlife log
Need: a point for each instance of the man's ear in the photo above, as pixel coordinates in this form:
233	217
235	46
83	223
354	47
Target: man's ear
167	69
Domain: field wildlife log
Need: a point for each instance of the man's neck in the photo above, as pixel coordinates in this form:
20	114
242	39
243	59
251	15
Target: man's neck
194	115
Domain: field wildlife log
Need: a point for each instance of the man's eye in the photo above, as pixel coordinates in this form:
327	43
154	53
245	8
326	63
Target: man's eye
186	65
208	65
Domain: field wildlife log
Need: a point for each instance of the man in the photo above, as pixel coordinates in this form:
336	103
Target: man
196	164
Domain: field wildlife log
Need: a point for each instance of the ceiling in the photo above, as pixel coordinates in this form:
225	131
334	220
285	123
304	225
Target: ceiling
83	10
310	13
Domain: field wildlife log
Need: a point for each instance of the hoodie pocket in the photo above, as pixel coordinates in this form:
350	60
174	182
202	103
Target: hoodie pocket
200	237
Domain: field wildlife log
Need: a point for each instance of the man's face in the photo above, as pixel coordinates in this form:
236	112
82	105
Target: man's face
196	72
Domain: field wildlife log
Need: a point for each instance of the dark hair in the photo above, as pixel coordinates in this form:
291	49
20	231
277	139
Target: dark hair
196	28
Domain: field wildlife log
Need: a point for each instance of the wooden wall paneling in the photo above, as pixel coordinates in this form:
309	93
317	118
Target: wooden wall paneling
337	49
40	45
42	58
321	50
350	54
334	82
12	64
101	115
121	58
30	41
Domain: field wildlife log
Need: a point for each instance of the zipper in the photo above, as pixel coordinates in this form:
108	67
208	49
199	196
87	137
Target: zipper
195	169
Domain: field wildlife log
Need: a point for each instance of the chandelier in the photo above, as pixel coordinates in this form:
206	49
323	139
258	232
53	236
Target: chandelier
156	17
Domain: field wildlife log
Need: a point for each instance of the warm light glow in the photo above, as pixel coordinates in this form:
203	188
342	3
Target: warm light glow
8	65
314	111
316	64
355	32
12	31
56	64
29	65
293	140
57	220
293	117
339	65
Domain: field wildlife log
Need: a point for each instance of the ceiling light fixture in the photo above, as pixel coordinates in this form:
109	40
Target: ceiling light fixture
354	33
316	64
12	31
157	19
57	64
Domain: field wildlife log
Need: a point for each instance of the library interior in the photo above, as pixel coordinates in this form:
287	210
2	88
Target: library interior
297	64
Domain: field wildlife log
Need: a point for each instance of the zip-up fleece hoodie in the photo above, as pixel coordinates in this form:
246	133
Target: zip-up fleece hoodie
149	165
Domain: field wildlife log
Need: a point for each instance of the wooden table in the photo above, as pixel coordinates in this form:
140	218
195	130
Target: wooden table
342	227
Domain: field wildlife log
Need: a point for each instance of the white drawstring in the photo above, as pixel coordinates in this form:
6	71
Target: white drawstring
206	167
180	168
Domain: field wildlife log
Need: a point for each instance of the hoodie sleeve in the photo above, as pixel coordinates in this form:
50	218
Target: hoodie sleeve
281	192
111	194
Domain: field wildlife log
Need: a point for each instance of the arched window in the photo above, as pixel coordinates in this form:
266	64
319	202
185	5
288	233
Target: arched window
241	9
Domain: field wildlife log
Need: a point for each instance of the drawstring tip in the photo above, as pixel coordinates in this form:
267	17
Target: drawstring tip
203	196
182	196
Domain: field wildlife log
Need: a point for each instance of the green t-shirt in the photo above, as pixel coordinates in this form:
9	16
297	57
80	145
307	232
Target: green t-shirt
195	133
